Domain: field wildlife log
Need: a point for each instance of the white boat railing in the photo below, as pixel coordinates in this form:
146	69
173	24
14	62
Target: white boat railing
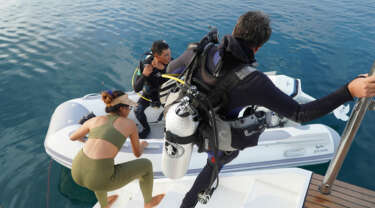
351	128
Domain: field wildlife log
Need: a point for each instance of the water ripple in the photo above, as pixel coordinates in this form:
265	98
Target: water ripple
52	51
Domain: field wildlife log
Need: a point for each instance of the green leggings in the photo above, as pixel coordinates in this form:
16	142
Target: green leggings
101	175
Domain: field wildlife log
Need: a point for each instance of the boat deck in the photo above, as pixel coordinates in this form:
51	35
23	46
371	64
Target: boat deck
343	195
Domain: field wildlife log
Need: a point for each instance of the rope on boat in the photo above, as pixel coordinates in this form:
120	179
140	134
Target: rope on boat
48	183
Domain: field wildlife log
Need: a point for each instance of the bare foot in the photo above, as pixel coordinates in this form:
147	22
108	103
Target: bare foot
111	200
155	201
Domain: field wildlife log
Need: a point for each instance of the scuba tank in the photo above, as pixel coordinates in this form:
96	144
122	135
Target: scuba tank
181	116
180	129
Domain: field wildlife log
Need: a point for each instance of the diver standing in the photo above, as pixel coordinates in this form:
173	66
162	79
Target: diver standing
227	75
149	80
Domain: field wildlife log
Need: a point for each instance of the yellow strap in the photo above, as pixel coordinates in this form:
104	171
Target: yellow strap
167	76
139	94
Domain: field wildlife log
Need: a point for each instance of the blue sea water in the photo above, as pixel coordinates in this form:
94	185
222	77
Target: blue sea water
52	51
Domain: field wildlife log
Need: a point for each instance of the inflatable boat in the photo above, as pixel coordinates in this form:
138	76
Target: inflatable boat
283	144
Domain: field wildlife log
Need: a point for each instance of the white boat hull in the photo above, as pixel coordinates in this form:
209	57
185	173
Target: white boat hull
288	146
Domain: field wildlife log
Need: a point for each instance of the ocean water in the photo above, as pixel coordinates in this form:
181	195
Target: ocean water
52	51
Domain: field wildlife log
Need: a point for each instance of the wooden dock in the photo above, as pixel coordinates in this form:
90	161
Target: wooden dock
343	195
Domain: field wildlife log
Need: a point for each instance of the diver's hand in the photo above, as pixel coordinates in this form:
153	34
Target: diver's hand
362	87
147	70
157	64
362	76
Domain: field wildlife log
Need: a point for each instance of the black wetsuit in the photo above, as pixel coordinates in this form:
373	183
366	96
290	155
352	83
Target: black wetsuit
256	89
150	86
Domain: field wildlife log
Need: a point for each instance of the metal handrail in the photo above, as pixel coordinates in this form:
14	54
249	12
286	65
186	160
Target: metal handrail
347	137
372	105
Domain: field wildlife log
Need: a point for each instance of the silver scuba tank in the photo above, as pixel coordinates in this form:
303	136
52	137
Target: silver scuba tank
178	141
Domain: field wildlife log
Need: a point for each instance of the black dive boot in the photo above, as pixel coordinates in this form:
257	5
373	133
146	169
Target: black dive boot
144	133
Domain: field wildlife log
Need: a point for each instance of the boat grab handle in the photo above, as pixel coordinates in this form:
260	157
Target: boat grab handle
90	96
295	152
151	145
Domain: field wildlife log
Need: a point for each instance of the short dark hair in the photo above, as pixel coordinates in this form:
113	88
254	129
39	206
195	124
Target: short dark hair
253	27
159	46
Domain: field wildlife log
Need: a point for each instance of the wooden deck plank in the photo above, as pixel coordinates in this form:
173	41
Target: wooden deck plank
341	200
340	190
343	195
347	185
311	204
322	202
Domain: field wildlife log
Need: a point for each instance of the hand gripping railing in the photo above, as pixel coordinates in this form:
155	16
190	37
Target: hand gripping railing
351	128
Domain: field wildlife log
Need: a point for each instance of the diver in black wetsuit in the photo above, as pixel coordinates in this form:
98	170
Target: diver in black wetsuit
149	80
250	33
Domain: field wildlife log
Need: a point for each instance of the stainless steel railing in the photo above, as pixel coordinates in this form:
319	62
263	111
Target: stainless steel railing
351	128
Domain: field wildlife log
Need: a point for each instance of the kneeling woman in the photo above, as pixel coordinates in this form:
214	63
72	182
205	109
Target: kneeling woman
93	167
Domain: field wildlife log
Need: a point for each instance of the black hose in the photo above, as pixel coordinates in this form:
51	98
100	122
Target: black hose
215	173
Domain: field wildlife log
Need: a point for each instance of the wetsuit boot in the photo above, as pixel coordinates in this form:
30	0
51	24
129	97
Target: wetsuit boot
202	181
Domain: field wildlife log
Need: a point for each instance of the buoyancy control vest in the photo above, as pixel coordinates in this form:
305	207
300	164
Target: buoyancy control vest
214	88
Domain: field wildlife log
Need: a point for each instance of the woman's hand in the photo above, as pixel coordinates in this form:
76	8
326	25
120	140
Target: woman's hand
80	133
82	140
142	146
